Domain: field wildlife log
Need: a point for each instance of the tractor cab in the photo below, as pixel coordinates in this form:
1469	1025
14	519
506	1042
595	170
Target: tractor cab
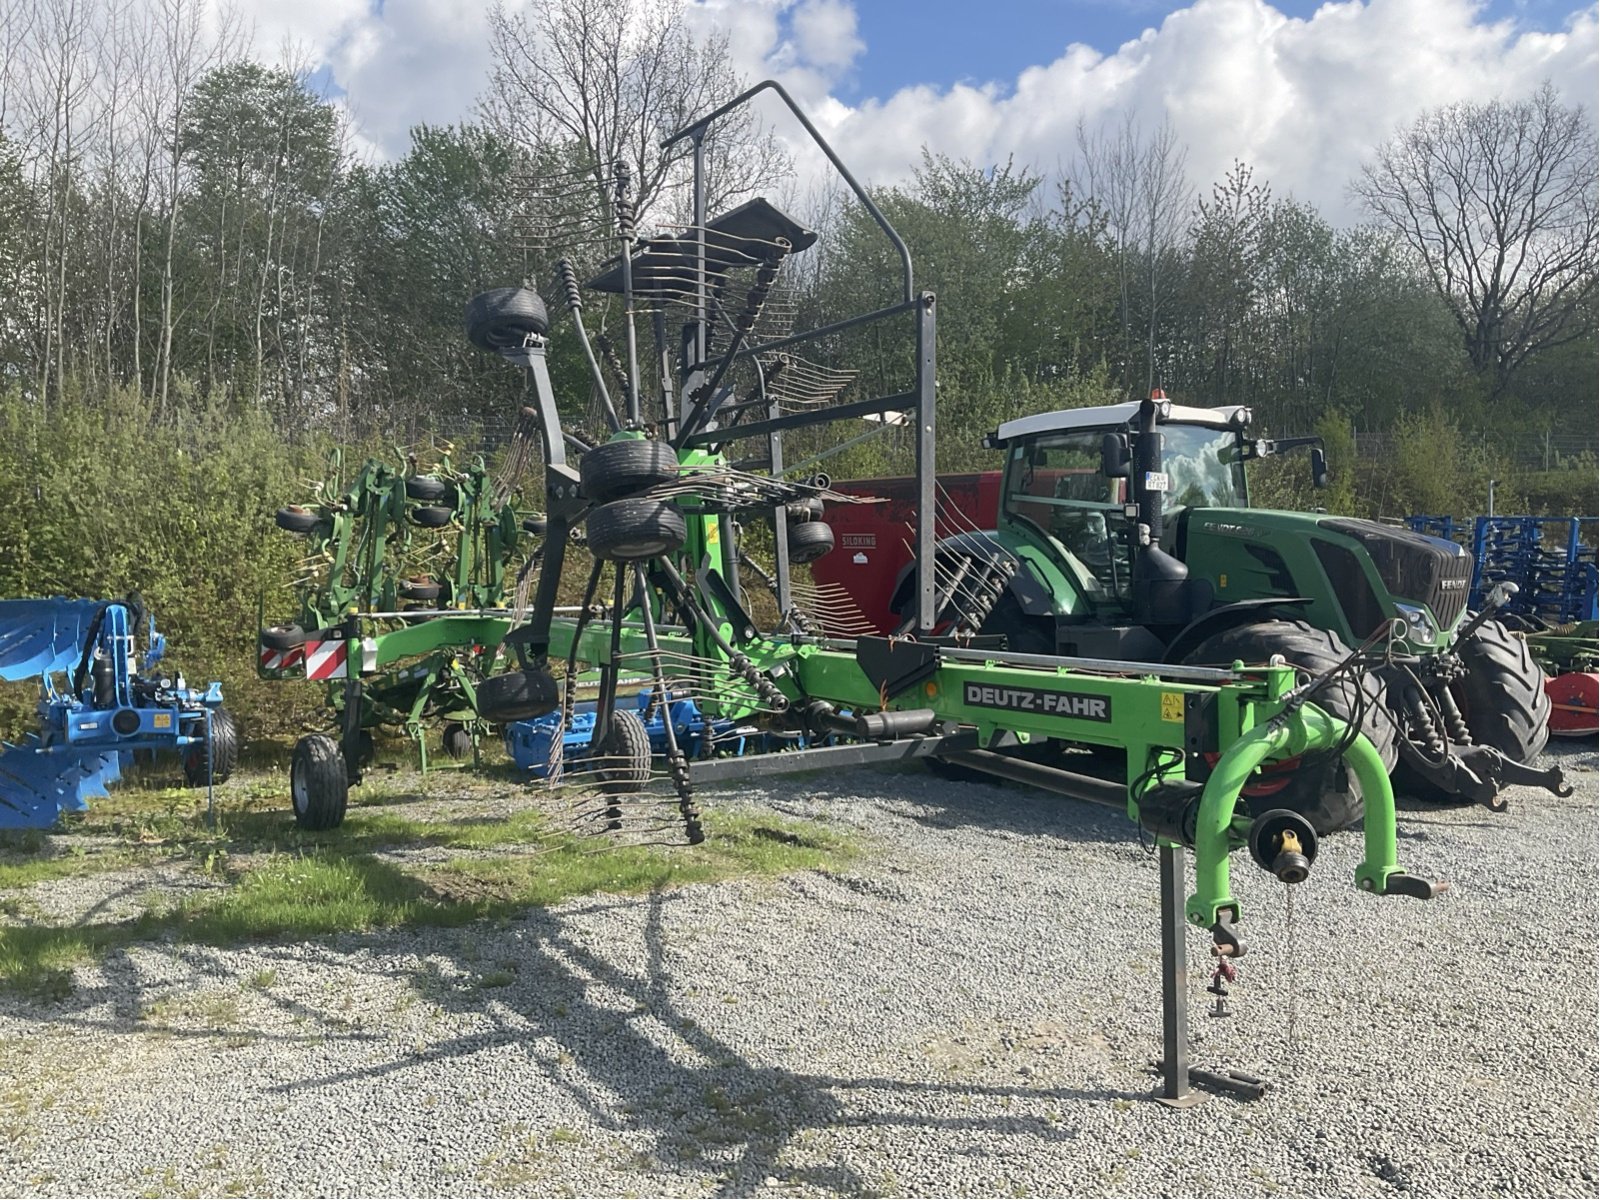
1068	483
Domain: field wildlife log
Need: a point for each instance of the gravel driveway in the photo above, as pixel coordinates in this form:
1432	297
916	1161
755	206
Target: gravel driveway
973	1009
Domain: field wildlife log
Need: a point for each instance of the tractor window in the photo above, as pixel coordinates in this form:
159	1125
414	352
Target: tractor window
1054	484
1204	467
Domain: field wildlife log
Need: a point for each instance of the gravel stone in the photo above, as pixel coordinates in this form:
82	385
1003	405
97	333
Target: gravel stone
972	1008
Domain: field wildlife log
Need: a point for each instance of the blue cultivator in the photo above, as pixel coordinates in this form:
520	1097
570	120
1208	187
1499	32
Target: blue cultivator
90	730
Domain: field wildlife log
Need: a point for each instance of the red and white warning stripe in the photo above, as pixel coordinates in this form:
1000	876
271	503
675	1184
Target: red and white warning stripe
326	660
281	660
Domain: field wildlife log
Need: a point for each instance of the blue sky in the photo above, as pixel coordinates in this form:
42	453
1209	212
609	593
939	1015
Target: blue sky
943	42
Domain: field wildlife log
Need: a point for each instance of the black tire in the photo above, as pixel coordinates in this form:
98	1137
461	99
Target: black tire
518	696
419	589
1502	695
1325	794
502	318
318	786
634	530
224	751
296	519
625	755
456	741
809	541
536	526
625	468
283	637
807	509
432	516
426	487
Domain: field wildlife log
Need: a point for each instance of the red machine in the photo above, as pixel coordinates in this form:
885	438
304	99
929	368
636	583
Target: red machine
1574	704
874	540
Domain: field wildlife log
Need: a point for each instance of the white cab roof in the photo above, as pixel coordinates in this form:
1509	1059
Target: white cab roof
1109	416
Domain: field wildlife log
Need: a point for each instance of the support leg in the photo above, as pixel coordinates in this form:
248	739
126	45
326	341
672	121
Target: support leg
1175	1091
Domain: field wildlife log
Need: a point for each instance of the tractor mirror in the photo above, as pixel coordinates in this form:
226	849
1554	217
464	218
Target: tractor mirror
1114	459
1319	467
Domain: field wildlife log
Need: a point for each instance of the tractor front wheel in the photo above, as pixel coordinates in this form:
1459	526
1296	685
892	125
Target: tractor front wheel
1316	785
318	784
1502	695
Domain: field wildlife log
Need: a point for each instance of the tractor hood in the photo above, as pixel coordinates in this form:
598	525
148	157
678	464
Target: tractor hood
1413	566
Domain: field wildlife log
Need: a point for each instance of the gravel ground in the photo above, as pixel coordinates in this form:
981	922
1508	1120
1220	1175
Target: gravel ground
972	1009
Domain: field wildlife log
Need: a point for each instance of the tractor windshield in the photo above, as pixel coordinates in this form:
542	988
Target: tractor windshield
1205	467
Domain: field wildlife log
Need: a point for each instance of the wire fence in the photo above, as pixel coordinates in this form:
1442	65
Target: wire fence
1530	450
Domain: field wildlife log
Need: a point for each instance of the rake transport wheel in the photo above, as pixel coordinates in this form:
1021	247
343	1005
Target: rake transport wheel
429	489
502	318
625	755
809	541
318	784
517	696
1315	786
224	756
295	519
617	469
283	637
455	739
422	587
634	530
536	526
431	516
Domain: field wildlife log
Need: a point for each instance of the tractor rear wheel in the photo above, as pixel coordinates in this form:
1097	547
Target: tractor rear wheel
1315	785
318	784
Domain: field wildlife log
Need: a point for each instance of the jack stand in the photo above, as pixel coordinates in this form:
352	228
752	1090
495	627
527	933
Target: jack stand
1176	1073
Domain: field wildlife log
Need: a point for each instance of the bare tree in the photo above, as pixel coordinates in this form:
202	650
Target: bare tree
606	80
1140	186
1497	201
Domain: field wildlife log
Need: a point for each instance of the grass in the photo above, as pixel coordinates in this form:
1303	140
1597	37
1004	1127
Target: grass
279	882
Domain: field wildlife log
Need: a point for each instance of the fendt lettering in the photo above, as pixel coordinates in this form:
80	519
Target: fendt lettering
1057	704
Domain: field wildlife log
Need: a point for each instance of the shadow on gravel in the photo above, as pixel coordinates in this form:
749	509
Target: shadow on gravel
639	1063
996	807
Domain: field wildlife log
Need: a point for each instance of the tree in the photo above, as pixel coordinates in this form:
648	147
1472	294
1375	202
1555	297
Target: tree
1140	185
1497	201
609	79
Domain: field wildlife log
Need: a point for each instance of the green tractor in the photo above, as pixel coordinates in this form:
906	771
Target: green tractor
1125	534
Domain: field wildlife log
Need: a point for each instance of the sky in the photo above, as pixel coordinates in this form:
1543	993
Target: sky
1303	92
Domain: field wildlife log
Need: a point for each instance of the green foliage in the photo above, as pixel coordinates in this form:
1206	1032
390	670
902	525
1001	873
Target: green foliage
104	501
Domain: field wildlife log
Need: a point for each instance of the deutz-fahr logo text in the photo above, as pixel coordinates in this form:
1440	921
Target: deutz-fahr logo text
1039	700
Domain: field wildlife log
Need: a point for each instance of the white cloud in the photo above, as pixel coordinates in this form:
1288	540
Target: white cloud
1301	100
825	31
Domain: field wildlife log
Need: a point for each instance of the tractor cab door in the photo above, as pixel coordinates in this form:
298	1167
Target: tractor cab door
1054	492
